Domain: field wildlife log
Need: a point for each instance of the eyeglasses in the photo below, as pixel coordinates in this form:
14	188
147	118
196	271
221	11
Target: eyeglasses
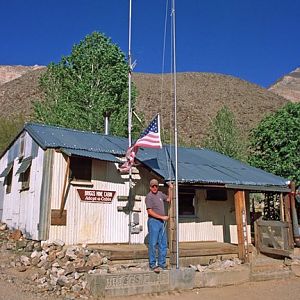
154	185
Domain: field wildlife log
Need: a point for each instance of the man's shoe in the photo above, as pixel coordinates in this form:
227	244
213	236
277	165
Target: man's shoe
156	270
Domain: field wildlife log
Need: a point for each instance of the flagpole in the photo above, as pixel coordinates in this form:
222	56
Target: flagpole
129	118
129	76
175	134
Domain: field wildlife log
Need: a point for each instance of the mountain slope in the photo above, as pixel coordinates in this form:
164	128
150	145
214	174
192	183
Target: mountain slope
199	97
288	86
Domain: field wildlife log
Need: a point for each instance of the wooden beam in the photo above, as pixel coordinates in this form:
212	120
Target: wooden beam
172	230
241	222
282	215
66	180
257	237
280	252
294	214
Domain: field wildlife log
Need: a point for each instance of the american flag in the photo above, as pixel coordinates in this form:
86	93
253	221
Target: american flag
150	138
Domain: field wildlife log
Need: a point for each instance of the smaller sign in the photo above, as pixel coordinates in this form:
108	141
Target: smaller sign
96	195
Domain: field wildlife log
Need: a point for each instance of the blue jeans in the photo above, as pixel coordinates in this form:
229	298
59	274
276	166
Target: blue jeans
157	237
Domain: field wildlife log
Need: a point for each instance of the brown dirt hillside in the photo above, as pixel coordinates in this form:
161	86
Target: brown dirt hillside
199	97
17	95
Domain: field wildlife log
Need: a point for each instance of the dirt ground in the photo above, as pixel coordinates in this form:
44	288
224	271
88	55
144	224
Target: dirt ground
264	290
18	285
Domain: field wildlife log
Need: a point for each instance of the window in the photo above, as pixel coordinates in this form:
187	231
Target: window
22	146
25	179
8	181
186	203
8	175
216	194
24	171
80	168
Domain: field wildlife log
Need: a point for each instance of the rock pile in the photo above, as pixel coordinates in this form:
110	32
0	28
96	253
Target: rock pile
217	265
58	269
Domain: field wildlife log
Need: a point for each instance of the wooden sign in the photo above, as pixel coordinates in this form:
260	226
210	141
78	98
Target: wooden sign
96	195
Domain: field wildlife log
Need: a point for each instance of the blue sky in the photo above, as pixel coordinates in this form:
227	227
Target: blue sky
256	40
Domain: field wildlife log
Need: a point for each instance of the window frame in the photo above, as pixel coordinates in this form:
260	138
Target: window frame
183	194
24	178
86	164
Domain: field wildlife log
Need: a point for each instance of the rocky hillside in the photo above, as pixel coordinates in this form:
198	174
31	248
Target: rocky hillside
17	95
8	73
199	97
288	86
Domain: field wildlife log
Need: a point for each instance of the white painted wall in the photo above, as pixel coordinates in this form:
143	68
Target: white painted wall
21	208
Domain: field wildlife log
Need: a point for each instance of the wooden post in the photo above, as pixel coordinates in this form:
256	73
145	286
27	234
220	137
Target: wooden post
294	214
241	222
288	219
282	215
172	231
257	237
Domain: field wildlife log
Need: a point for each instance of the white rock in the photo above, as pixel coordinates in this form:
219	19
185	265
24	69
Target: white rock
200	268
25	260
77	275
84	284
56	265
59	243
36	254
3	226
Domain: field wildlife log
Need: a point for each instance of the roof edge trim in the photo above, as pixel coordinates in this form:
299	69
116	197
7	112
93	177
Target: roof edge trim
259	188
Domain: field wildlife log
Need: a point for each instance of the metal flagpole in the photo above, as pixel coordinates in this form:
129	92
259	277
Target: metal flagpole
175	133
129	76
129	117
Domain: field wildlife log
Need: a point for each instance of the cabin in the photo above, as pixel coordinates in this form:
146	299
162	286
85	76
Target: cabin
59	183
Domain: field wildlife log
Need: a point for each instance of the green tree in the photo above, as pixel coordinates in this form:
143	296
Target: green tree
83	86
224	135
9	128
275	143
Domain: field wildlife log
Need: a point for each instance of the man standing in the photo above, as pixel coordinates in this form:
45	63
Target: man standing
157	225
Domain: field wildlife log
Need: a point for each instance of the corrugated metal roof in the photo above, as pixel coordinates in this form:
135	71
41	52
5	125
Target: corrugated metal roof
57	137
198	165
195	165
91	154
